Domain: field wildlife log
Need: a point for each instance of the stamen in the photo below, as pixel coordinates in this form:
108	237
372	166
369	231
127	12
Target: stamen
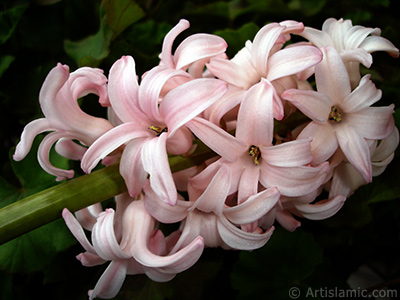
335	115
255	152
158	130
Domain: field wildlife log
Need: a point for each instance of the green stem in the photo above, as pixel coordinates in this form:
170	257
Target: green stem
41	208
46	206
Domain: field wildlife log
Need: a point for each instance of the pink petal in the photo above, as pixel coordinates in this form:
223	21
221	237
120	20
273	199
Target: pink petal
321	210
103	237
111	281
314	105
87	216
377	43
86	80
356	150
44	152
356	55
364	95
131	166
141	224
255	207
88	259
155	163
263	42
357	34
324	142
238	72
289	154
239	239
373	122
110	141
77	230
225	104
217	139
332	77
53	83
69	149
248	181
150	89
292	60
286	220
255	118
56	96
166	54
317	37
188	100
28	135
198	47
123	90
213	198
162	211
294	181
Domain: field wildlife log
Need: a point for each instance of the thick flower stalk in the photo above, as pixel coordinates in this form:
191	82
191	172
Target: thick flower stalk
277	149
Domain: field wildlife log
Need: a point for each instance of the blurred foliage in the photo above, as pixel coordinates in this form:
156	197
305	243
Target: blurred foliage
42	264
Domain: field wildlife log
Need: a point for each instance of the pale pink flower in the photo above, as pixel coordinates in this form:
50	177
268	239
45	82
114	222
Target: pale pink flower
264	59
354	43
192	53
342	117
345	178
251	155
63	116
134	247
151	128
207	214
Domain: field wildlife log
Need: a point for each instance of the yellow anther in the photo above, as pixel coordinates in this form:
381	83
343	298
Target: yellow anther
335	115
255	152
158	130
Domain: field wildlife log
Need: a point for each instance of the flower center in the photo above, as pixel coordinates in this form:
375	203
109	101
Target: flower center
158	130
255	152
335	115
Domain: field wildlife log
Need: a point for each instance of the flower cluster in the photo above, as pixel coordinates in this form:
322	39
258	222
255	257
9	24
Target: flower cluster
284	149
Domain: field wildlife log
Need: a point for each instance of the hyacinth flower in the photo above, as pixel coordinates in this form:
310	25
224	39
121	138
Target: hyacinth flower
342	117
206	214
191	55
264	59
251	154
353	43
151	129
134	247
346	179
58	95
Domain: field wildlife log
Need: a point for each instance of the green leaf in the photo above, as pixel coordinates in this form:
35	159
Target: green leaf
33	251
5	62
236	39
9	20
307	7
93	49
121	13
284	262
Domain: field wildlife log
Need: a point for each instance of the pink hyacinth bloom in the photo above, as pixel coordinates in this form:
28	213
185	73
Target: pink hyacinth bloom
252	156
354	43
345	178
264	59
134	247
63	116
192	53
151	128
207	215
342	117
